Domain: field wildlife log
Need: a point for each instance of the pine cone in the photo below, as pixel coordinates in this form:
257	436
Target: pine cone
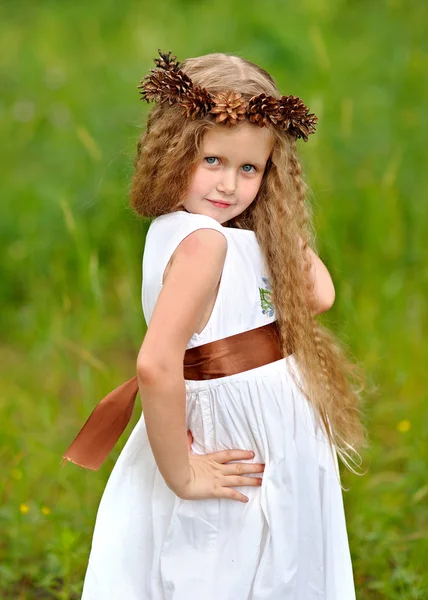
263	110
165	85
295	117
197	102
175	85
167	62
230	107
151	86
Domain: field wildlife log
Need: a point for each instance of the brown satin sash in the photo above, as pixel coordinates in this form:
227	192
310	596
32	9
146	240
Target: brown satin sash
220	358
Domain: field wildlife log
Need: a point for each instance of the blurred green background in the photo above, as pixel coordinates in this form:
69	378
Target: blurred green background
71	249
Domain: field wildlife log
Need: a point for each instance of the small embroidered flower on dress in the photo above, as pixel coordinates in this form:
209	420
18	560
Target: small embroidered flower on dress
266	298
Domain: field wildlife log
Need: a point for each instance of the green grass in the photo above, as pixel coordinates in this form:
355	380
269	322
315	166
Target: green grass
71	319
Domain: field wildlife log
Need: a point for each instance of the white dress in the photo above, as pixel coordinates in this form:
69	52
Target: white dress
289	542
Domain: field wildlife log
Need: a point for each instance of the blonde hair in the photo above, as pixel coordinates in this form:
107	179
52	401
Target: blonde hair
167	155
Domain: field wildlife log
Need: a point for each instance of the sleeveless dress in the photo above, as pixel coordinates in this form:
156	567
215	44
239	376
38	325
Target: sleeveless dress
289	542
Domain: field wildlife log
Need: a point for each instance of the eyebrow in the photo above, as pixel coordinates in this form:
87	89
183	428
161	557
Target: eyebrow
248	162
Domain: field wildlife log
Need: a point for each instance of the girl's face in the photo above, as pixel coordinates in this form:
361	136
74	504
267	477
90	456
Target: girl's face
230	169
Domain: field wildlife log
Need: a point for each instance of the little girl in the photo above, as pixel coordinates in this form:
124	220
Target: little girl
228	487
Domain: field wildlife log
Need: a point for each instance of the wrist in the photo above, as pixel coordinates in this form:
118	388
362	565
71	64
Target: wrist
179	485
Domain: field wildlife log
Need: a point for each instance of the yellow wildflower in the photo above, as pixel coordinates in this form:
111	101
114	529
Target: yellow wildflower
404	426
24	508
45	510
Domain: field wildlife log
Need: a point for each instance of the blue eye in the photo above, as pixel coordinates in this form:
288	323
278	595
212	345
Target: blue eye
210	160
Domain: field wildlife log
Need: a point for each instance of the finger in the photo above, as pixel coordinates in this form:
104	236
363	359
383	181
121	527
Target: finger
233	495
238	481
241	468
224	456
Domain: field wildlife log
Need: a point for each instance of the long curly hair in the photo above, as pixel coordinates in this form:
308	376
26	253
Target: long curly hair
167	155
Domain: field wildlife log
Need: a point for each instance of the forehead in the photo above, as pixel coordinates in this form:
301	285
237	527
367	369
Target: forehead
244	142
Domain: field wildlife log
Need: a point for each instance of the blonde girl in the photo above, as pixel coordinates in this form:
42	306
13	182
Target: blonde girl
228	487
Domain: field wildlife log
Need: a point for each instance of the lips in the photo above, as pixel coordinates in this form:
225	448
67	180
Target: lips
219	201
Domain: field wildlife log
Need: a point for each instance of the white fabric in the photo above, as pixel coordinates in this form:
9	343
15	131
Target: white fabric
289	542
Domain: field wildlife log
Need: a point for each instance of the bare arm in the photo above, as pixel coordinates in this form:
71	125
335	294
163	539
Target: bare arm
323	288
180	307
163	396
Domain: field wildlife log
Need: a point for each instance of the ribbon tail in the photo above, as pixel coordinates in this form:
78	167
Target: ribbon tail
104	427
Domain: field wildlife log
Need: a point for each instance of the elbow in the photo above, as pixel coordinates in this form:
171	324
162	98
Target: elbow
327	301
147	373
331	297
151	373
322	294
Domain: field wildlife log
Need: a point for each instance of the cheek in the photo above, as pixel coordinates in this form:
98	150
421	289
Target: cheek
199	182
252	187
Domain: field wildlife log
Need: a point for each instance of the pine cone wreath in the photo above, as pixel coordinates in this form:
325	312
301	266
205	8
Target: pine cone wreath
230	107
197	102
167	82
295	117
263	110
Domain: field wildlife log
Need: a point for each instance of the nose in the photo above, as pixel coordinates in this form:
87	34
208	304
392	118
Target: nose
227	182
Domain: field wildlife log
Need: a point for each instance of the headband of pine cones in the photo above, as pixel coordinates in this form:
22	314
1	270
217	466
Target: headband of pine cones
168	83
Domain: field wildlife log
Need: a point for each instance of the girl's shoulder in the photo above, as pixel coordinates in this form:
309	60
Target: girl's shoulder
171	228
165	234
184	215
181	220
